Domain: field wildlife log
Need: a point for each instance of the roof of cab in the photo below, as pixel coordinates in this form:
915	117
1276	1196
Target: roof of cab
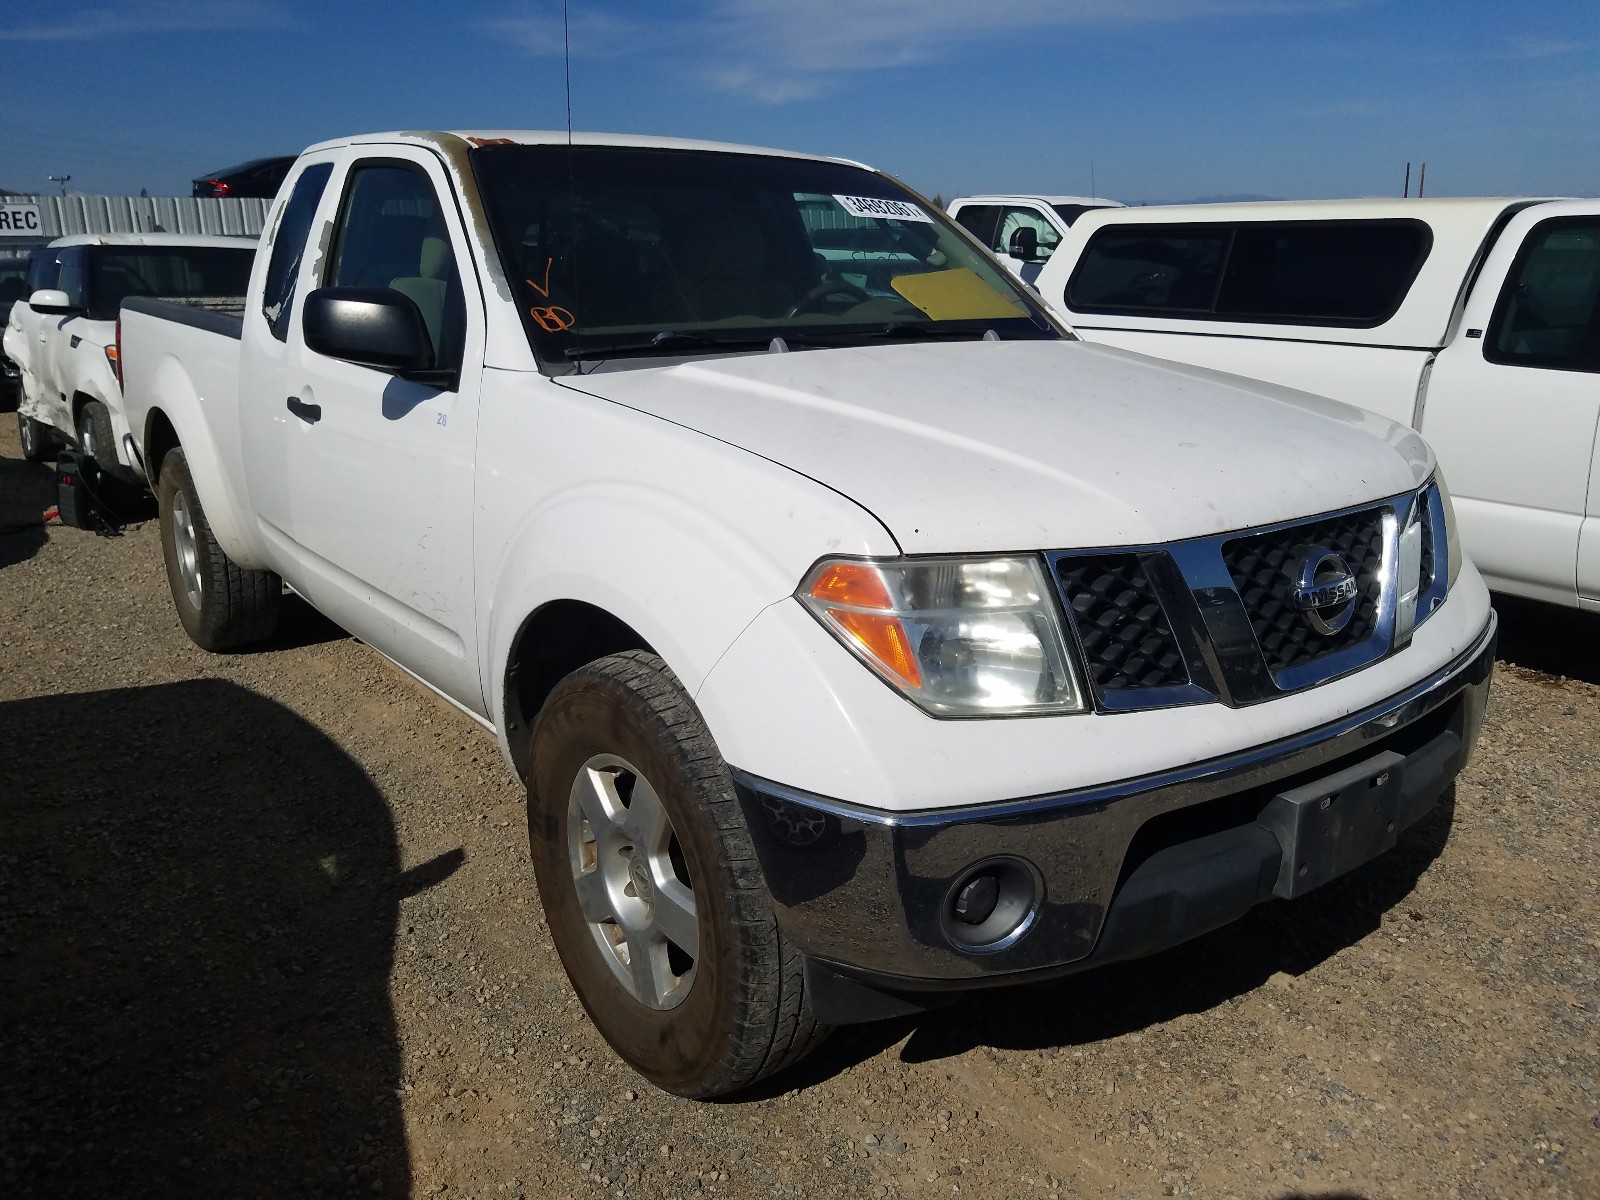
547	137
154	239
1465	210
1009	197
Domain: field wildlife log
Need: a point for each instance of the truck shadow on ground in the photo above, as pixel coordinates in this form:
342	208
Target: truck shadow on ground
27	491
1281	937
197	936
298	625
1549	638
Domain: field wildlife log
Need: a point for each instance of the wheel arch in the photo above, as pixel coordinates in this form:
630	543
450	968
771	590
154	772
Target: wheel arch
80	400
553	641
160	437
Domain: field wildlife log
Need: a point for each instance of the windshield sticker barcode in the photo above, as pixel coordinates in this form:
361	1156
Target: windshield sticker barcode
872	206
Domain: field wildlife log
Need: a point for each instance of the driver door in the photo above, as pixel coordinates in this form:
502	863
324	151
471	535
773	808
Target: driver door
380	469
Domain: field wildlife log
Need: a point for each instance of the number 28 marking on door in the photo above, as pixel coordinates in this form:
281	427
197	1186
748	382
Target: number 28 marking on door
442	419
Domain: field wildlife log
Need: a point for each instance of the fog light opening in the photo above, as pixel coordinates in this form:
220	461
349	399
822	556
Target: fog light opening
991	905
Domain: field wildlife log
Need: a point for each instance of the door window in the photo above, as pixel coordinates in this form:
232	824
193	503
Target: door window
1010	235
979	220
1547	314
44	269
288	247
391	234
73	275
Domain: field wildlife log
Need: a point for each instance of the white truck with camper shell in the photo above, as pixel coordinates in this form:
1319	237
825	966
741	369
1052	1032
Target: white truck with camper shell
1475	321
62	337
859	643
1023	231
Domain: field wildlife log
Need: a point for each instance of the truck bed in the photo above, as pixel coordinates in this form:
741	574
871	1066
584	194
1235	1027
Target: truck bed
214	314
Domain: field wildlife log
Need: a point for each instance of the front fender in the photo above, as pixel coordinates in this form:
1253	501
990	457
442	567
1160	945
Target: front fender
686	581
682	538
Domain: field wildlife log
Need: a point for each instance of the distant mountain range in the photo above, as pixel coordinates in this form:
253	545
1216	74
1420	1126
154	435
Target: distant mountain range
1236	198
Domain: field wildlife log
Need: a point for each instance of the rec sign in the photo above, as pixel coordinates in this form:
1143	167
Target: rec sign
20	219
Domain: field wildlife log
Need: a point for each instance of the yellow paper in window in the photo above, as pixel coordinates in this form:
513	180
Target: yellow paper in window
956	295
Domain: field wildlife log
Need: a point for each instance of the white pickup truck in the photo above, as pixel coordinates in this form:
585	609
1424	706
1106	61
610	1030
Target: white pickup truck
62	338
1475	321
858	645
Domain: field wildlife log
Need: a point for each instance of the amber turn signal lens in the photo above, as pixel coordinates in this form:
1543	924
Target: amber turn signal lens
859	585
884	638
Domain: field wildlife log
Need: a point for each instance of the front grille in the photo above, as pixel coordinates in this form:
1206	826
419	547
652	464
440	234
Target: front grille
1265	569
1126	638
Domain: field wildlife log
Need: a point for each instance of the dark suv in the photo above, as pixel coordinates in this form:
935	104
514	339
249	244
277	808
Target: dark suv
259	177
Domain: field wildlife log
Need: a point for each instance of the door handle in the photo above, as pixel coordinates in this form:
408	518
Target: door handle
309	413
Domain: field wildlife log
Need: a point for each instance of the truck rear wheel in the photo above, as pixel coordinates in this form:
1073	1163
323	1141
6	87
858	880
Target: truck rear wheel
651	887
222	606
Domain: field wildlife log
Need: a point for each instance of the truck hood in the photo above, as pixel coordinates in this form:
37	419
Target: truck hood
993	446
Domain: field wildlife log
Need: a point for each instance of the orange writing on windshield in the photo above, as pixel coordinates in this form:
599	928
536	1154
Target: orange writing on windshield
552	318
545	290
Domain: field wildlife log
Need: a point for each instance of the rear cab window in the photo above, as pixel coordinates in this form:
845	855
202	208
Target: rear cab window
1351	274
201	276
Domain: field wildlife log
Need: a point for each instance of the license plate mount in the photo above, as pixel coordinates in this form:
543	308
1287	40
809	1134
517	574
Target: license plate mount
1330	826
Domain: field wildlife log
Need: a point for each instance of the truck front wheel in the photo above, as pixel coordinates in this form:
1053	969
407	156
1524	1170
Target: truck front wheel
222	606
651	886
38	439
97	439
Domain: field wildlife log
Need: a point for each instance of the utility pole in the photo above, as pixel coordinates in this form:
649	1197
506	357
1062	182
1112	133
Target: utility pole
62	180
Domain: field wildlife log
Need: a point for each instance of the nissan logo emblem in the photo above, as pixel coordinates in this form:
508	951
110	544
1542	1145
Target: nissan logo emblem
1326	591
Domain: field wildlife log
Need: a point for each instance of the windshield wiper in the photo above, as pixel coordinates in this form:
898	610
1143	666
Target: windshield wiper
923	329
677	341
929	331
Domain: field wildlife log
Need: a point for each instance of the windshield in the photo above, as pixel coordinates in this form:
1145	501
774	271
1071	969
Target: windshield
616	251
185	273
1071	212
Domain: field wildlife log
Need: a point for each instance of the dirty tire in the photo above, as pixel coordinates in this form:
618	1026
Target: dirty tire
235	607
39	442
743	1015
97	439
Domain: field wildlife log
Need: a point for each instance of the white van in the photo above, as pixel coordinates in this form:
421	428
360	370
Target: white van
1475	321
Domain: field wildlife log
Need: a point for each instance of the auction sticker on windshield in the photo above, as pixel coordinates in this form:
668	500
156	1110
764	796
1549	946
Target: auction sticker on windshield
873	206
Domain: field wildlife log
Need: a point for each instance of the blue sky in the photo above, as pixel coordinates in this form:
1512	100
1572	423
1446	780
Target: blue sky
1165	99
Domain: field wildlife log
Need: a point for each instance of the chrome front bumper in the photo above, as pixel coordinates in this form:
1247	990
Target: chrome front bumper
1121	870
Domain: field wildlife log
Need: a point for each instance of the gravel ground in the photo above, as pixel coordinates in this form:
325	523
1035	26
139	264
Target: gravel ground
268	929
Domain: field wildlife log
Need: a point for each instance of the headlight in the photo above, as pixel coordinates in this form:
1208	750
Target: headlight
1448	533
1408	570
1419	585
961	637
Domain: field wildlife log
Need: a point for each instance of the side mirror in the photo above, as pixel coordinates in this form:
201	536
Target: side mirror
370	327
51	302
1025	244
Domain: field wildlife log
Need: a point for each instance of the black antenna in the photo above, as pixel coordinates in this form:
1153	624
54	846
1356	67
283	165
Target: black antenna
566	54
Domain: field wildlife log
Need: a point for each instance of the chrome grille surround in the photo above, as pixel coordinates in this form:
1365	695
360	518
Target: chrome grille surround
1214	618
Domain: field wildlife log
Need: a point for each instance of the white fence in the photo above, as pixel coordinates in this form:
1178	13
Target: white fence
62	215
